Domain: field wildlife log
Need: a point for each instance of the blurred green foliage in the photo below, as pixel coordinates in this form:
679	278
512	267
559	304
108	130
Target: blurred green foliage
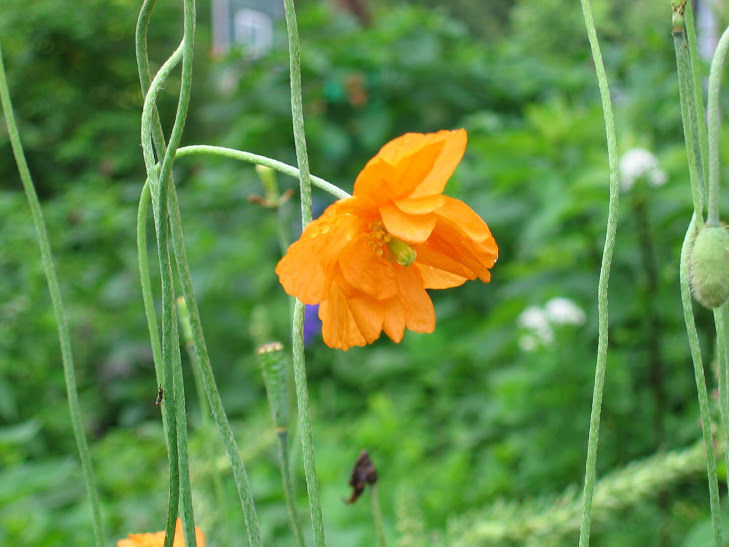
453	420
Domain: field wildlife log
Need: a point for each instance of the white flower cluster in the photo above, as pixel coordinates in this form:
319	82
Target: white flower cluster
639	162
538	322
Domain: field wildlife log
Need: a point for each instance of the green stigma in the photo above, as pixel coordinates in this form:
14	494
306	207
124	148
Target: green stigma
404	253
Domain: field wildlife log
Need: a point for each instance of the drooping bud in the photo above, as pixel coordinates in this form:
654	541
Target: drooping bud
709	266
404	253
272	360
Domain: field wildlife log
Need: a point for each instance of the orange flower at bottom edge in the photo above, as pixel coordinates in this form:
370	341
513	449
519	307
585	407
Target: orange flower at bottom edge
369	258
157	539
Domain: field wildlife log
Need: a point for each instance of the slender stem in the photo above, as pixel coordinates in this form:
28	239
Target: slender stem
282	435
717	64
602	291
698	106
302	395
183	316
688	115
168	415
154	127
297	111
704	409
170	343
63	333
259	160
721	360
305	430
216	404
377	516
141	51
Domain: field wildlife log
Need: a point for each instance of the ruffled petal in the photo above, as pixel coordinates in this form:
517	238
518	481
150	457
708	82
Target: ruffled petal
306	269
414	164
454	146
419	311
467	220
394	320
421	205
448	246
364	270
338	327
434	278
368	314
409	228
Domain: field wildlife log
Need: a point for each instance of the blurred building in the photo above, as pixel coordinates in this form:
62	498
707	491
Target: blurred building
244	24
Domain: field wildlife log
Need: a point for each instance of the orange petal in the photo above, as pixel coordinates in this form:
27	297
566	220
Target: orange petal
448	242
394	320
449	158
338	327
412	165
434	278
421	205
419	311
305	270
365	271
157	539
409	228
368	314
399	167
465	218
430	255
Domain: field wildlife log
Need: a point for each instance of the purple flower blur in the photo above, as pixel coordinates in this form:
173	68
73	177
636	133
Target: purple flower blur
312	324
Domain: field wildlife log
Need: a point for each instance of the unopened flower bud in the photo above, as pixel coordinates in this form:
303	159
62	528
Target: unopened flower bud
272	359
709	266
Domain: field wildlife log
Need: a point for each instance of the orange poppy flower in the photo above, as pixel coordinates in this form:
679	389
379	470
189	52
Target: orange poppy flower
157	539
369	258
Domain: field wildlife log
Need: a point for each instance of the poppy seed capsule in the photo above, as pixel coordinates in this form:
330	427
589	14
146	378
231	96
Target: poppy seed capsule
709	266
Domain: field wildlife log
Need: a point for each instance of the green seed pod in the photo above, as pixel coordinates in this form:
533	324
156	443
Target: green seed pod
709	266
272	360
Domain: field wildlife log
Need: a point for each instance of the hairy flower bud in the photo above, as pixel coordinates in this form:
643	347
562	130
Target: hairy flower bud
709	266
272	359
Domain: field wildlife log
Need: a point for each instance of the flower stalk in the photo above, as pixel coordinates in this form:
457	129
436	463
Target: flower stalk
696	150
602	290
302	395
717	63
64	336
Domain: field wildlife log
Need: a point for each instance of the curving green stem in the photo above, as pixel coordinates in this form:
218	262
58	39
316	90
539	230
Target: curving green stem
279	166
170	341
689	118
63	334
154	129
723	377
602	290
302	395
704	408
698	109
183	315
168	414
717	63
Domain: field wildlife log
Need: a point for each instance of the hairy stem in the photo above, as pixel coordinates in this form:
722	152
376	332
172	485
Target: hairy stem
302	395
239	473
602	290
168	415
704	408
259	160
717	63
